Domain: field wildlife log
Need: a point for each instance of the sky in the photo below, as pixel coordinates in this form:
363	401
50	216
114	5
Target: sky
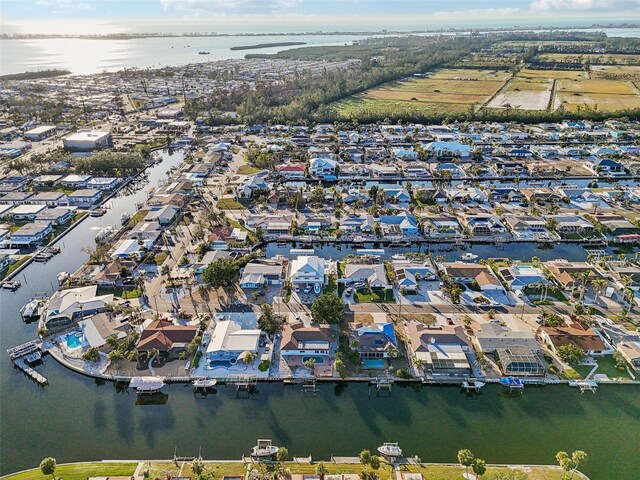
231	16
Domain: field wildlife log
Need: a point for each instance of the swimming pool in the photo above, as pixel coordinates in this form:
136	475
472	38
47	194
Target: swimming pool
373	363
73	340
318	360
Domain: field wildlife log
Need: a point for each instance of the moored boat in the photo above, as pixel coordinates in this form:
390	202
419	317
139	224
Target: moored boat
512	382
468	256
264	449
31	310
12	285
390	450
146	384
63	277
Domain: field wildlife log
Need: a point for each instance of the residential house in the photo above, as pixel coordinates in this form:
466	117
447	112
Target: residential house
56	216
229	341
164	215
518	277
493	336
103	183
373	342
626	342
440	349
292	172
16	198
259	273
572	224
323	168
84	198
50	199
65	306
165	337
403	223
307	271
374	276
27	212
300	344
576	334
483	225
29	235
443	226
604	165
75	181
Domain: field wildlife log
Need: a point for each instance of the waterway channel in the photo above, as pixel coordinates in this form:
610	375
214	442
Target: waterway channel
77	418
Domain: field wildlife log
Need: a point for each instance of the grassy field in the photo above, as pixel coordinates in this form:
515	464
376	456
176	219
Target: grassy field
447	91
377	295
593	58
247	170
80	471
528	92
229	204
450	472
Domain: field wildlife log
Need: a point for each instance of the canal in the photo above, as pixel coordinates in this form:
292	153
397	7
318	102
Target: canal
76	418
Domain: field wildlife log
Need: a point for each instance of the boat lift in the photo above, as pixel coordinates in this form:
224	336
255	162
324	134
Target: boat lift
243	384
382	384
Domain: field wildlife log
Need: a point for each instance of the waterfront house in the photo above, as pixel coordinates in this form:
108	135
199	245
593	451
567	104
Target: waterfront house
518	277
107	275
292	172
131	249
84	198
145	231
483	225
98	328
259	273
440	349
448	149
443	226
164	215
355	224
493	336
75	181
526	226
29	235
103	183
571	224
300	344
402	223
50	199
169	339
540	195
307	271
520	360
576	334
56	216
374	343
65	306
373	276
229	342
626	342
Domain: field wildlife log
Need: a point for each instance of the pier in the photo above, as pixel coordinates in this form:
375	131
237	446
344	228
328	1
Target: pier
25	354
243	384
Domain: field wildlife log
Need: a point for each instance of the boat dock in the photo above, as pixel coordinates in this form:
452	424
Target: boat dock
25	354
21	364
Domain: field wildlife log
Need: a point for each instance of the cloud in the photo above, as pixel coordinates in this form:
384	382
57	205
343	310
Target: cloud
583	5
232	6
478	13
63	6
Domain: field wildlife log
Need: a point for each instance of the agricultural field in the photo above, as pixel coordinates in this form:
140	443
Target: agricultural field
601	94
446	91
593	58
525	91
616	72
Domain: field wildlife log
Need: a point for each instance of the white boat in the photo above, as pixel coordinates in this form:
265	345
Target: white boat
468	256
12	285
204	382
105	233
264	449
391	450
146	384
63	277
31	309
124	218
98	212
476	385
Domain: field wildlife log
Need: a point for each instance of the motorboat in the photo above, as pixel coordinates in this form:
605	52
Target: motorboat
12	285
63	277
390	450
31	310
105	233
124	218
98	212
203	382
512	382
146	384
264	449
468	256
476	385
43	257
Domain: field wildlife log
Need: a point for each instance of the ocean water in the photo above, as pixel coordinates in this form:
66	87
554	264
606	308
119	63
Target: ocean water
89	56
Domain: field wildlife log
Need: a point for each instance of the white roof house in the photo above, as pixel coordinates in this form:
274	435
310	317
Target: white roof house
230	339
307	269
75	300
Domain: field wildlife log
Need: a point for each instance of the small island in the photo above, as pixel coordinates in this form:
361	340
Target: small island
267	45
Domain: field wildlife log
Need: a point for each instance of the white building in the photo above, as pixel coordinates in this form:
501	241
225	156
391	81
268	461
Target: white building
86	140
307	271
40	133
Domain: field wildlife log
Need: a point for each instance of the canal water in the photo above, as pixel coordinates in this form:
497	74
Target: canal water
76	418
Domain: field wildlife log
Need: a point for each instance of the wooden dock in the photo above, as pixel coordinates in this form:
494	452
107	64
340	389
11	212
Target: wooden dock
30	372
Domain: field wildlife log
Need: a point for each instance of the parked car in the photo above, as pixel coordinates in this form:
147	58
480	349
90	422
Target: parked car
348	291
308	289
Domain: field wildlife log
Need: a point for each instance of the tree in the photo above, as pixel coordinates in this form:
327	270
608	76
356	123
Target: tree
465	458
310	363
220	273
267	321
374	462
479	467
248	358
48	467
317	195
570	464
197	466
365	457
328	308
282	455
570	354
321	470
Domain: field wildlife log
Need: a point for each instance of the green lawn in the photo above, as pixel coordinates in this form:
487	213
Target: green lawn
14	266
229	204
454	472
553	292
607	366
377	295
80	471
138	217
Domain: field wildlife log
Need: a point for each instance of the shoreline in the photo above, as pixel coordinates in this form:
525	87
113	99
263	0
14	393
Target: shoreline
348	463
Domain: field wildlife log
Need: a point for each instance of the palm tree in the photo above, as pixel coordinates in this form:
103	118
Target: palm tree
598	285
153	353
197	467
248	358
48	467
